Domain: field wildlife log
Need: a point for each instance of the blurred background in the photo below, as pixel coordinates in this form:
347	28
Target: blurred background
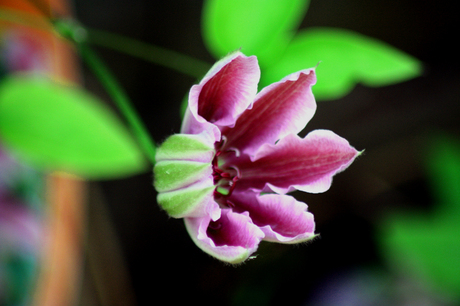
389	226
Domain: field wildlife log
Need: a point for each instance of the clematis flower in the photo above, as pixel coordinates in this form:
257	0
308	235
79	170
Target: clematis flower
238	155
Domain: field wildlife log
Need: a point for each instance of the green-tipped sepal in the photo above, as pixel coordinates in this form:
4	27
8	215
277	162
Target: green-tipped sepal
183	177
186	147
171	175
193	201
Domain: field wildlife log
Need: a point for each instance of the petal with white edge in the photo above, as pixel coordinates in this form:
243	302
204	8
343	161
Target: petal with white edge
280	109
226	91
306	164
232	238
281	217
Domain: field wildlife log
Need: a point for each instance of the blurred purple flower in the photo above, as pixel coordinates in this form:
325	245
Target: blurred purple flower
21	51
20	229
21	187
20	195
239	154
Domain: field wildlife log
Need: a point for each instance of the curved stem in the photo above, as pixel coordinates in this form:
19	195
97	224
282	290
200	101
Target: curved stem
120	98
154	54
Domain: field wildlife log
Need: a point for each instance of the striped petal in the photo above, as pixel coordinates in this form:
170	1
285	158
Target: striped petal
281	217
226	91
183	176
306	164
280	109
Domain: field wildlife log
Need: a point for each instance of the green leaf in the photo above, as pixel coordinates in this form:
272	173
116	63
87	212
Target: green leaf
345	58
57	127
258	27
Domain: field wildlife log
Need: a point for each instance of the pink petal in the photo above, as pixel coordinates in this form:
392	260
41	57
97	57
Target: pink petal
232	238
282	218
306	164
280	109
226	91
194	125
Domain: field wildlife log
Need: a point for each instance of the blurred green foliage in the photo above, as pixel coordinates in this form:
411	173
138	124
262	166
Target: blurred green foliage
57	127
259	27
427	245
19	272
268	29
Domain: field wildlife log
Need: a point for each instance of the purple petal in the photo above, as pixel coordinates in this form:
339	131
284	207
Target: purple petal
226	91
282	218
280	109
232	238
306	164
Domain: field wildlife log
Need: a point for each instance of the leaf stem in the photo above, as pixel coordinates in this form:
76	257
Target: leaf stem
120	98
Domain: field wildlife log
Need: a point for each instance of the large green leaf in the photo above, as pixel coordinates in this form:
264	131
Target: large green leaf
258	27
58	127
345	58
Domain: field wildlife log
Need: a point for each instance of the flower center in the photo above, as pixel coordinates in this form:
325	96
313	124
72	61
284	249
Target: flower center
225	178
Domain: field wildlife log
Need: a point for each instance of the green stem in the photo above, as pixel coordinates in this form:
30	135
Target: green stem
154	54
120	98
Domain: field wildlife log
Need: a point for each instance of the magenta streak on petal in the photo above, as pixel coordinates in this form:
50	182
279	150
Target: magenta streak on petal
225	95
280	109
306	164
282	218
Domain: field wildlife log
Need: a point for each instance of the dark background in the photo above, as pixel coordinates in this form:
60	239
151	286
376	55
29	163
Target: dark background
392	124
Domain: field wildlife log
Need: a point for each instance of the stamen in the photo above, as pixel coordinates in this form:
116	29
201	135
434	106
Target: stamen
223	191
225	175
224	179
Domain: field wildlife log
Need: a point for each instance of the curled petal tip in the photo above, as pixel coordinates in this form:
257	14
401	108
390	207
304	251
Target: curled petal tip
232	238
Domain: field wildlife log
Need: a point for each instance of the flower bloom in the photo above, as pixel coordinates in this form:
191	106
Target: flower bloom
238	155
